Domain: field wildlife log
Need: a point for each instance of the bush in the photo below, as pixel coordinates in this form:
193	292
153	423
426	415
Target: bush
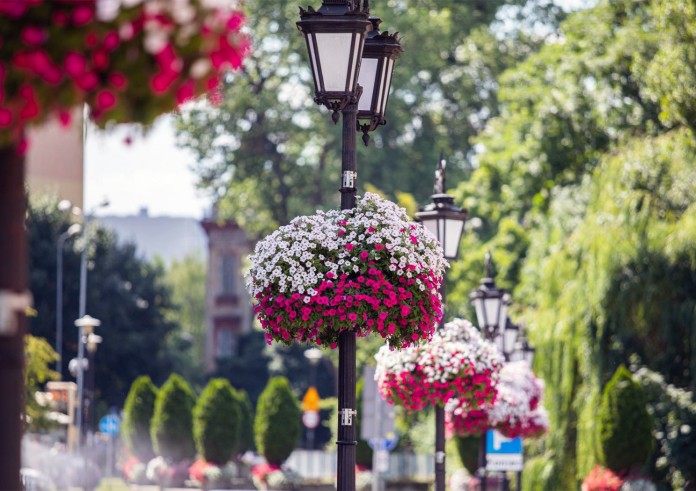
625	427
468	450
138	411
277	423
216	422
171	429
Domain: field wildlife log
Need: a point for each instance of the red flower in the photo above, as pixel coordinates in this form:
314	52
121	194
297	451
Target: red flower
33	36
105	100
83	14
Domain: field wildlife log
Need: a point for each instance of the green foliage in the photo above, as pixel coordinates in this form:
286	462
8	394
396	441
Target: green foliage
535	474
186	279
38	356
171	428
138	411
217	420
363	452
123	291
625	427
248	371
468	450
673	411
277	423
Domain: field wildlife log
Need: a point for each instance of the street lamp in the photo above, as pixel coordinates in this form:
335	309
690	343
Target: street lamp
446	222
85	325
92	342
490	304
75	228
380	53
335	36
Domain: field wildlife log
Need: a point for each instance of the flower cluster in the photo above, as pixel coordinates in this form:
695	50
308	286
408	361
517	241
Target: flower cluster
267	476
457	363
516	410
130	60
368	269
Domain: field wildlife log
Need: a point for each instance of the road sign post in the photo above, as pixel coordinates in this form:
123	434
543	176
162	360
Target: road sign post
502	453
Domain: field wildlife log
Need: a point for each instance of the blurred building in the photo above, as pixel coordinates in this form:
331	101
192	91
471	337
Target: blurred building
169	238
228	306
55	159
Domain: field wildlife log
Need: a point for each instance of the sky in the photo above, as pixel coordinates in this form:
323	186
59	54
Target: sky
151	172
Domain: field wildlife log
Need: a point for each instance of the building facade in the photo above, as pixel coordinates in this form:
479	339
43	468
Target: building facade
228	306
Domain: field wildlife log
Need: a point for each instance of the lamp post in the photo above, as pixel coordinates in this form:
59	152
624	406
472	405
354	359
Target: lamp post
92	342
85	325
446	222
336	38
72	230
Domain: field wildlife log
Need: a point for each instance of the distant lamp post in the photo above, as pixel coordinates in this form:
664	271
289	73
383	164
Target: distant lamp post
441	217
446	222
85	325
335	36
92	342
72	230
490	304
381	51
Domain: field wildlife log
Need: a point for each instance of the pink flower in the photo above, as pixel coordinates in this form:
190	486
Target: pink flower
33	36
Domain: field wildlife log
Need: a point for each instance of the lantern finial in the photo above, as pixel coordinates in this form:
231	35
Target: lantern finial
489	265
440	178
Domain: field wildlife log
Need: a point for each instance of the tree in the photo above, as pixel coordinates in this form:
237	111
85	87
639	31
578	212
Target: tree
138	411
186	279
217	420
277	423
625	427
171	428
267	154
39	356
126	293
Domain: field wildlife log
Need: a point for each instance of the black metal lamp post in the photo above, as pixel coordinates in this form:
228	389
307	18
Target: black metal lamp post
444	220
335	36
491	306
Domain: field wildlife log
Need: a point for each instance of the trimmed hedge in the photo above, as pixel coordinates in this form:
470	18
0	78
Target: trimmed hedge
278	420
171	429
625	426
217	422
138	411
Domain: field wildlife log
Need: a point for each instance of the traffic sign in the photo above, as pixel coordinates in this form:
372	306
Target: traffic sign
110	425
377	415
503	453
310	419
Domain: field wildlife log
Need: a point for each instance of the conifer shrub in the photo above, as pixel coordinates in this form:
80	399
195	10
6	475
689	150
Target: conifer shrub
138	411
171	429
216	422
277	423
363	452
468	450
625	426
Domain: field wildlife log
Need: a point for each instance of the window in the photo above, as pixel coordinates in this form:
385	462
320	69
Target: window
229	275
225	344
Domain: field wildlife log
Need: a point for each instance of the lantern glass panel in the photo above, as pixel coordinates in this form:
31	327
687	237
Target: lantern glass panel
453	234
510	336
337	61
384	92
492	309
313	60
502	320
431	224
368	80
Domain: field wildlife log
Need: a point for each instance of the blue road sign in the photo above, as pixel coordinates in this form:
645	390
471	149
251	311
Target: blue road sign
503	453
110	425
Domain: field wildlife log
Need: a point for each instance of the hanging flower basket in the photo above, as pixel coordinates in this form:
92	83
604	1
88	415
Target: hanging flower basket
457	363
130	61
516	410
366	270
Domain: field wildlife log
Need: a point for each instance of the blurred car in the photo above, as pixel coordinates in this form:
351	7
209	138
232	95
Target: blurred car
33	480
